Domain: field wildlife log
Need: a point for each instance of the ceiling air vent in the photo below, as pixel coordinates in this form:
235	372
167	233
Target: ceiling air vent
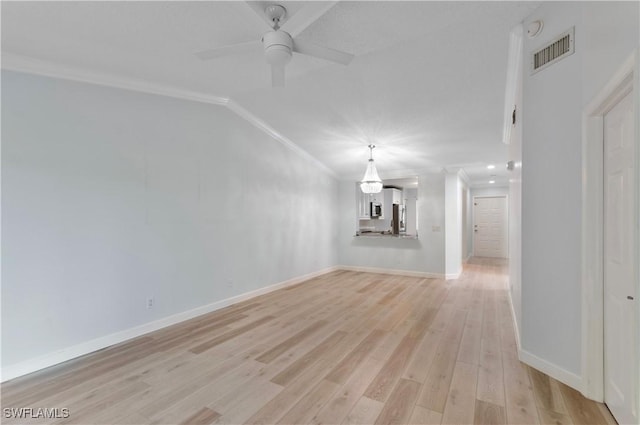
559	48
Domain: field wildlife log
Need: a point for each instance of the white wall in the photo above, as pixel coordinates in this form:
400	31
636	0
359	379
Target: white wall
110	196
411	210
469	225
490	191
611	33
424	255
551	197
453	224
410	193
606	33
465	222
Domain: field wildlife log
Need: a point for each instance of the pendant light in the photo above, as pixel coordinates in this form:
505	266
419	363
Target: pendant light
371	182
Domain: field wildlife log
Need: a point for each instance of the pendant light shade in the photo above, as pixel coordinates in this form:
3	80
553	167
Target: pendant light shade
371	182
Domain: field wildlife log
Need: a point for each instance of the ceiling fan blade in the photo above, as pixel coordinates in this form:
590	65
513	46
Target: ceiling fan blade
322	52
257	7
306	16
231	49
277	76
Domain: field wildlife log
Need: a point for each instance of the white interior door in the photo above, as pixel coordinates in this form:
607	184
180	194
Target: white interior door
620	329
490	226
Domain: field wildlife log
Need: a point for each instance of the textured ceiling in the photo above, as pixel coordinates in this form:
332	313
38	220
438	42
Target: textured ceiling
426	86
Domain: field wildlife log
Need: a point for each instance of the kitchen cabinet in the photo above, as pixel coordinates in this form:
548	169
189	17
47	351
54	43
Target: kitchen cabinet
364	203
398	207
395	195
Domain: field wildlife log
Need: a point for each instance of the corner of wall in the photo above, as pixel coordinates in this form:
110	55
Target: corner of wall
558	373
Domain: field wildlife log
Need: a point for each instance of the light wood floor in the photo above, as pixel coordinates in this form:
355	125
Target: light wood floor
347	347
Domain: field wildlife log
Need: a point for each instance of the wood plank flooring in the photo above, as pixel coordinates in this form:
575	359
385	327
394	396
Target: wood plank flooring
343	348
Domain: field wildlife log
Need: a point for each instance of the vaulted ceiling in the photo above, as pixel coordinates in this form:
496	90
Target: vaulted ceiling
426	86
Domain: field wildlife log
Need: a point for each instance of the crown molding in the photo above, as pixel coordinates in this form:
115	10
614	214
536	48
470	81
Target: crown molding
25	64
266	128
19	63
464	177
455	170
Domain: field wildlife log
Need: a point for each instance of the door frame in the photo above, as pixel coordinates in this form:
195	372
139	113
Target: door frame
626	79
473	221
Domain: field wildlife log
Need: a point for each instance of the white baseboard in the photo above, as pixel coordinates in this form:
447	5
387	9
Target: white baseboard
554	371
69	353
453	276
392	271
516	330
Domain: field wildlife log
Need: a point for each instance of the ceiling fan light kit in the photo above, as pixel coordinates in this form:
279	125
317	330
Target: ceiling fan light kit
279	45
275	13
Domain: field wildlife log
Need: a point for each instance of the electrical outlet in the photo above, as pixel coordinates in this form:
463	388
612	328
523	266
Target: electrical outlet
150	302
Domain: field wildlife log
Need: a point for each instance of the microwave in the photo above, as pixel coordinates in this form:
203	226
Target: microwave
375	209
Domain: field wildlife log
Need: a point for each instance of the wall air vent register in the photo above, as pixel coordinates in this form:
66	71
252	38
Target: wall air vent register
554	51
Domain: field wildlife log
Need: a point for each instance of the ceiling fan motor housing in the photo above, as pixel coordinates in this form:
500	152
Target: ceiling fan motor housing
278	46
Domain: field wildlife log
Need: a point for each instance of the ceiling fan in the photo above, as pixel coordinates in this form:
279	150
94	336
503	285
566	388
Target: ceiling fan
279	41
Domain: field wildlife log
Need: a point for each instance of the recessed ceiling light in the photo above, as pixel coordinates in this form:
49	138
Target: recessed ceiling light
492	181
491	166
